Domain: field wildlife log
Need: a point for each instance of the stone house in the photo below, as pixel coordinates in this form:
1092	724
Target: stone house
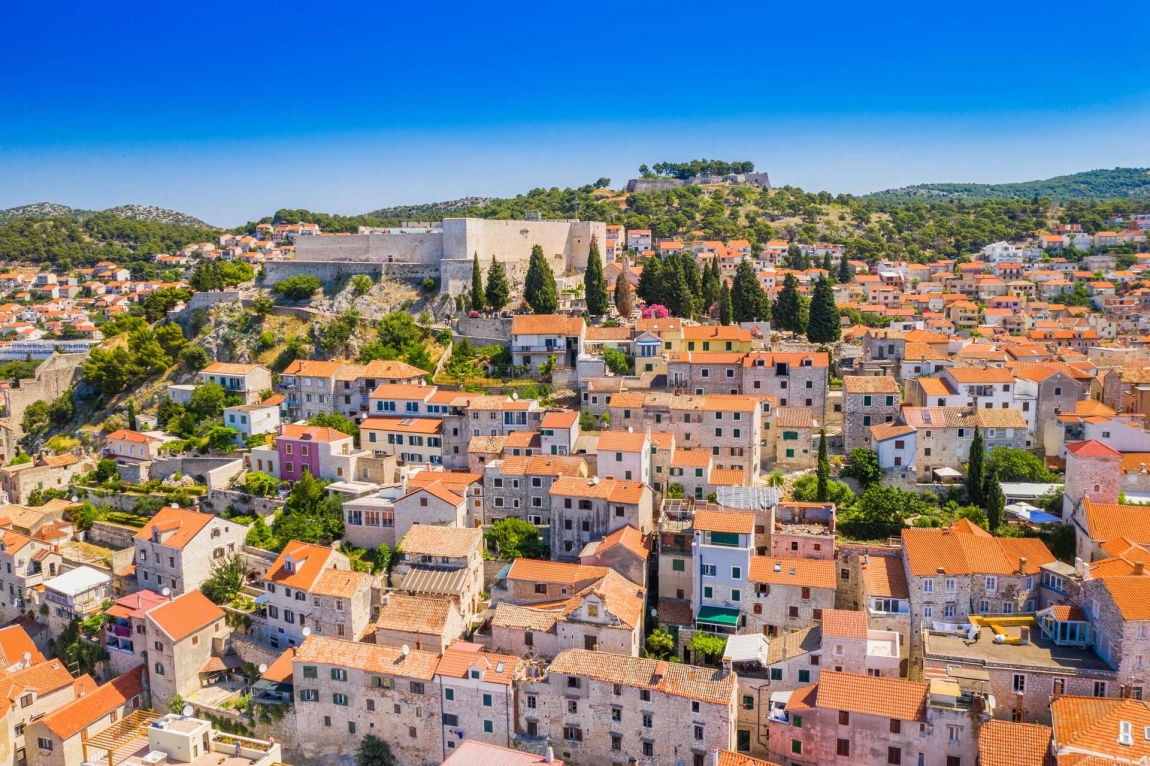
803	530
787	594
704	374
478	695
341	604
132	446
177	548
32	688
25	563
559	430
180	635
584	510
867	401
246	380
596	707
535	338
45	472
288	587
795	427
59	735
534	581
345	690
125	634
884	346
945	434
441	561
691	469
883	592
1124	390
849	645
624	550
310	387
411	439
797	379
74	595
432	504
521	486
427	623
1119	627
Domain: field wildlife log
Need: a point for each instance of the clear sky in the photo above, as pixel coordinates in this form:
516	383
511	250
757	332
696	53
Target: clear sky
231	110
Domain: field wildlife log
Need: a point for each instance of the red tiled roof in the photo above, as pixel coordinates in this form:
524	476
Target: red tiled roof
185	614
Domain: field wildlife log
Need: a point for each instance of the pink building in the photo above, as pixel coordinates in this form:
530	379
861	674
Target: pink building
324	452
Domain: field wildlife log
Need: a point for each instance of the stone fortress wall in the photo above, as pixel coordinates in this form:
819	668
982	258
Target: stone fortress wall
451	249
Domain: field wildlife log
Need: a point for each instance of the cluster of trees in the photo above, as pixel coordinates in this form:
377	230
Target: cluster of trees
468	361
298	288
217	275
498	291
147	353
398	337
309	515
539	289
685	170
677	283
199	423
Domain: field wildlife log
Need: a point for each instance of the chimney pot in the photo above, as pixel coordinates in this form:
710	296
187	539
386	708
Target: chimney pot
1139	568
1022	565
942	570
550	756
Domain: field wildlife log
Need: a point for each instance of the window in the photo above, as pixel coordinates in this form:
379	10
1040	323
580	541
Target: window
645	695
486	700
678	565
894	755
338	674
748	702
796	747
572	734
895	726
339	699
450	719
417	687
159	668
648	749
616	742
1019	684
648	721
843	747
1099	688
953	733
44	743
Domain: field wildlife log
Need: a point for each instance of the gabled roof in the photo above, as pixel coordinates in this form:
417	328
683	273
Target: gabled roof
307	561
14	643
1092	448
71	719
869	695
844	623
869	384
1131	595
370	658
1105	521
185	524
434	540
558	572
732	522
547	324
1090	726
885	576
812	573
703	684
415	614
956	553
185	614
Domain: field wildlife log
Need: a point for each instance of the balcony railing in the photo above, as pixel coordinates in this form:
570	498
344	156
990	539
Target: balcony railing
538	349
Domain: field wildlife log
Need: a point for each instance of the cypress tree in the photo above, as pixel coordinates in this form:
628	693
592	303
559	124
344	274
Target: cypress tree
974	470
649	282
724	304
822	469
845	272
539	284
827	263
131	415
824	325
594	283
694	280
994	499
711	281
679	300
787	309
747	296
623	301
478	299
498	291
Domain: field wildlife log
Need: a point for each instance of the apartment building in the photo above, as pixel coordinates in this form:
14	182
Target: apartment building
585	510
867	401
244	380
290	588
180	637
441	561
177	548
477	695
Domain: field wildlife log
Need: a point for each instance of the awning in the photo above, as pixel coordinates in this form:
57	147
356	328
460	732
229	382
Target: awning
947	472
262	598
718	615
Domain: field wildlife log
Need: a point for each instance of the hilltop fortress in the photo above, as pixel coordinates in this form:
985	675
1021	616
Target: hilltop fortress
444	250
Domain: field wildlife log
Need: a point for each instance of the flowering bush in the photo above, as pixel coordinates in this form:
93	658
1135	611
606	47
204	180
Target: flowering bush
656	311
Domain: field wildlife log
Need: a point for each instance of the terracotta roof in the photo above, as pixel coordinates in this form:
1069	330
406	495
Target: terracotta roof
691	458
884	431
733	522
803	699
313	433
1089	726
308	561
523	439
414	614
731	758
280	671
370	658
622	441
124	435
525	617
14	642
69	720
980	375
1092	448
960	554
186	524
559	572
438	491
555	465
228	368
185	614
459	658
546	324
339	583
716	332
1106	521
814	573
884	576
630	492
594	332
407	391
559	419
844	623
698	683
883	697
456	481
769	359
453	542
794	417
394	370
869	384
1131	595
625	537
310	368
136	604
727	477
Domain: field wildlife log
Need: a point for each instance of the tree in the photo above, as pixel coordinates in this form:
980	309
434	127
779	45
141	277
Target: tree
725	317
823	470
680	301
975	471
131	415
260	483
336	421
539	284
595	283
623	297
787	306
398	330
259	536
660	645
650	290
513	538
748	301
106	469
478	298
194	357
498	291
881	512
863	466
61	410
298	288
845	271
222	438
712	279
1018	465
76	651
995	501
171	339
263	303
158	303
616	361
708	644
36	417
361	284
227	578
824	325
374	751
207	400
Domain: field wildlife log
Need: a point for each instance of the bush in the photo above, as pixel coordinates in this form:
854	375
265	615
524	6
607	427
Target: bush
514	538
298	288
260	483
194	358
616	361
106	469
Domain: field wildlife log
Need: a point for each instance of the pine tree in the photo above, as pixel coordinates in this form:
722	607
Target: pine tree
724	305
787	310
498	291
694	280
679	300
747	296
711	281
594	283
826	266
995	501
974	470
539	284
478	299
131	415
824	324
623	303
822	469
844	271
649	289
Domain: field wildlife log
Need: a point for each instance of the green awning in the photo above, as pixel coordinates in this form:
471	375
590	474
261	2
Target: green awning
718	615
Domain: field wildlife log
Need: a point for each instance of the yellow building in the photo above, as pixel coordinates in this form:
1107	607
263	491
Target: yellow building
709	338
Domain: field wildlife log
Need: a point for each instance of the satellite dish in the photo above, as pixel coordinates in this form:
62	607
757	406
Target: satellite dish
166	592
514	394
176	506
306	632
405	650
188	710
654	612
75	499
264	667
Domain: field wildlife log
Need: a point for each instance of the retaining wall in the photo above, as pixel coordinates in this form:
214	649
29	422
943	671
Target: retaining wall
218	500
111	535
217	471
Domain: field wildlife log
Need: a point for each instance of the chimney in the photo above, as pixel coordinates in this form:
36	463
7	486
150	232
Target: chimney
549	757
1139	569
1024	634
942	570
714	755
1022	565
80	689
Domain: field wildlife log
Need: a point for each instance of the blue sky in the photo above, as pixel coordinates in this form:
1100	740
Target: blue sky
230	113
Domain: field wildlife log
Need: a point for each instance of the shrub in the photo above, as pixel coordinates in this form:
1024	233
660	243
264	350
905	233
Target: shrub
298	288
194	358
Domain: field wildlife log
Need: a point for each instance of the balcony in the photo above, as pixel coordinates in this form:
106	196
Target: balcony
556	349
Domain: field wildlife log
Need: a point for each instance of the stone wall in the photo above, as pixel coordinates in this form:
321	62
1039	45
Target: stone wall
217	471
111	535
218	500
54	375
484	330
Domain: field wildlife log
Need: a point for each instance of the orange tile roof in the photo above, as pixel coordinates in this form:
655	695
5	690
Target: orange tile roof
559	419
185	614
439	491
310	368
812	573
622	441
703	684
844	623
402	425
14	643
312	433
733	522
1005	743
69	720
547	324
459	658
228	368
414	614
1131	595
885	576
868	695
727	477
339	583
452	542
402	391
869	384
369	658
1092	448
124	435
308	563
731	758
691	458
794	417
187	524
1089	726
625	537
558	572
927	550
884	431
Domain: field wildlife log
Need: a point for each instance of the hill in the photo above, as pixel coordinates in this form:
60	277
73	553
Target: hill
127	212
1092	185
430	211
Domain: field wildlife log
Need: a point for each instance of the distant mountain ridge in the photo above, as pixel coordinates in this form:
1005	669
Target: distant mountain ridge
129	212
429	211
1092	184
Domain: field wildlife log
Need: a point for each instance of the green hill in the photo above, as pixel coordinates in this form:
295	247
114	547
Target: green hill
1092	185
